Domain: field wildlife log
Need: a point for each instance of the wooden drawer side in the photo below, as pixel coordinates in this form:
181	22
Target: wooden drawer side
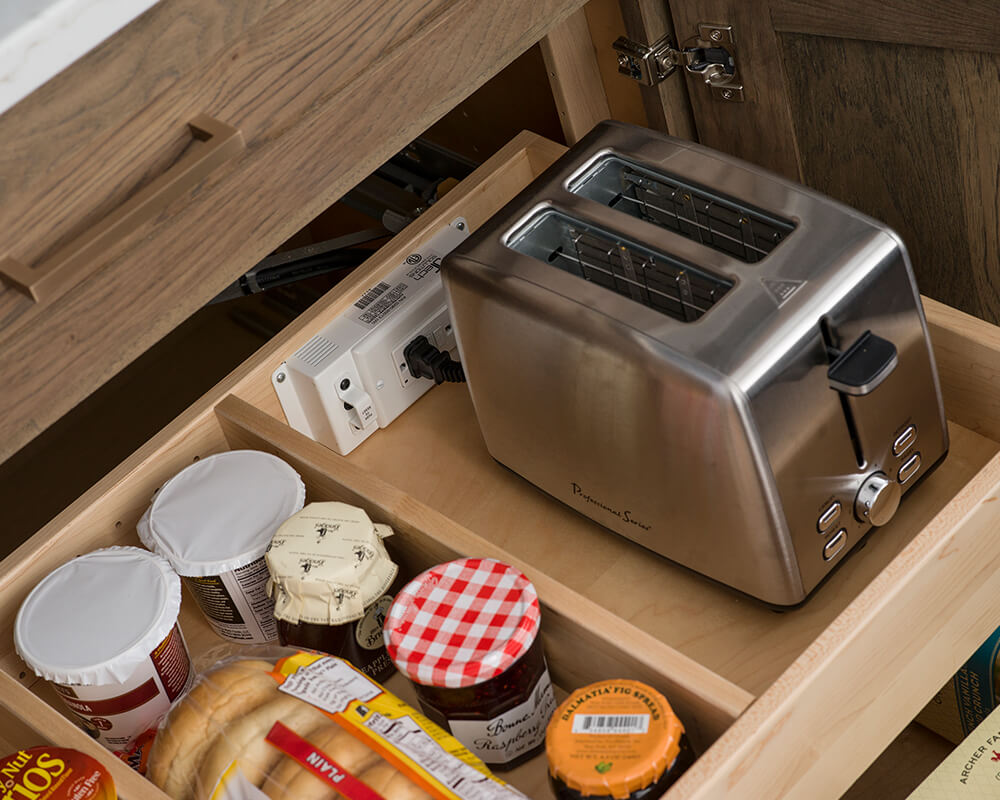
867	675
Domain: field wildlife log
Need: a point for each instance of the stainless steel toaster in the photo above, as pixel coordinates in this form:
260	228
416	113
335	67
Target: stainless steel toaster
726	367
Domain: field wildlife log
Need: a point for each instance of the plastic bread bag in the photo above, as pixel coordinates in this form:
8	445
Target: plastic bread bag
308	727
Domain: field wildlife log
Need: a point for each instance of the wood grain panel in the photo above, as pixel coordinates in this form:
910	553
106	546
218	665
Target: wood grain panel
575	77
956	24
105	87
967	351
908	135
260	84
604	18
379	91
760	129
668	106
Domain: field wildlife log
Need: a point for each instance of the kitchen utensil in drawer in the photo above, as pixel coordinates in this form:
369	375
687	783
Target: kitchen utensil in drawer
711	360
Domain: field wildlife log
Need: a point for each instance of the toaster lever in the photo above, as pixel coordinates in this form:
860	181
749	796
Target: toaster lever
863	366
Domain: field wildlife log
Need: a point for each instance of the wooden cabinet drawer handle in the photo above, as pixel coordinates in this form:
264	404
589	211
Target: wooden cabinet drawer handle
215	143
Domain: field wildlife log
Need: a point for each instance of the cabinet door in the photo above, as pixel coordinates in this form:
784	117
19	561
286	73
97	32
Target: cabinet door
892	107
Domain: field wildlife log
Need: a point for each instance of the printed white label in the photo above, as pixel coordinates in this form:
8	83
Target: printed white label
611	723
505	737
236	603
248	587
115	714
330	684
414	741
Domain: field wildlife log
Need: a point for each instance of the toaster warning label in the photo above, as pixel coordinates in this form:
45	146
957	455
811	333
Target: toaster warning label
781	290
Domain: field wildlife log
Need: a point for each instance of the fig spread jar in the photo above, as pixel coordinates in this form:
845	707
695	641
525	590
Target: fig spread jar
466	634
332	583
615	739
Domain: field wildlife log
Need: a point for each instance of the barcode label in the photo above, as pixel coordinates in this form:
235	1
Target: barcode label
368	297
611	723
384	306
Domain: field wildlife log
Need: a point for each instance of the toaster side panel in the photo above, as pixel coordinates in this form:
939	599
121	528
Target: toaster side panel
608	421
823	444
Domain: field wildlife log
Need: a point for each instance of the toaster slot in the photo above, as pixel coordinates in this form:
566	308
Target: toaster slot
693	211
654	279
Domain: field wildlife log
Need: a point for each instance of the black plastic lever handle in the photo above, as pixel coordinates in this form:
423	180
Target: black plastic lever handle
863	366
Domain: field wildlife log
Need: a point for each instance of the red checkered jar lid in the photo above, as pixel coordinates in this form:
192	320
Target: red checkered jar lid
462	623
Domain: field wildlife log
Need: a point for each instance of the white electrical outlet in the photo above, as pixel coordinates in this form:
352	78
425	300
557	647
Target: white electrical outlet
351	378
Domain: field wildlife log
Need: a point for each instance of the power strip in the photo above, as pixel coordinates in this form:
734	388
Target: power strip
351	379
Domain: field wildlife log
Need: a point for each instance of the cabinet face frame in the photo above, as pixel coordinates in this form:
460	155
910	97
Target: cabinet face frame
859	682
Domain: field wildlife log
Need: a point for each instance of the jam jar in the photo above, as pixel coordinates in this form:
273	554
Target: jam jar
466	634
332	583
615	739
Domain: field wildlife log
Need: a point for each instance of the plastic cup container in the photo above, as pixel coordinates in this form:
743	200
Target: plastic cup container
103	630
213	522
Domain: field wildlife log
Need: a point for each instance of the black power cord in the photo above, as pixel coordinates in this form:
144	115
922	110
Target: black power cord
424	360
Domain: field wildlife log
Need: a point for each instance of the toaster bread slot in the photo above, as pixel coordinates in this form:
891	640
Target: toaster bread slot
694	212
654	279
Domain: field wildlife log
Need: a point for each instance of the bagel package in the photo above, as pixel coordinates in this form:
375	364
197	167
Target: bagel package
308	727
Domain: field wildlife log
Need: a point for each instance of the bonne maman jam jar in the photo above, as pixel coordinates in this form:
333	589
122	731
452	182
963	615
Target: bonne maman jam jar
466	634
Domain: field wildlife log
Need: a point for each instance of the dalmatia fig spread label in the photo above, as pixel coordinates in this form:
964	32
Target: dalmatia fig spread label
53	773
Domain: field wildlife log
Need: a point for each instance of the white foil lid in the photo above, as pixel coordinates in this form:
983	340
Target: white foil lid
94	620
219	514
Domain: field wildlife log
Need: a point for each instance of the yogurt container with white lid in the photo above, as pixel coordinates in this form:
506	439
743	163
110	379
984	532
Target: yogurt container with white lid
103	630
213	522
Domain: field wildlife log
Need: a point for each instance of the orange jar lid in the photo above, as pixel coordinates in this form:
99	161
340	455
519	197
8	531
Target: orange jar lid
55	773
612	738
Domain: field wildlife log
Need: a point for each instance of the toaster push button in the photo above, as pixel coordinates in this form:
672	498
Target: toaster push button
904	440
835	545
910	466
829	516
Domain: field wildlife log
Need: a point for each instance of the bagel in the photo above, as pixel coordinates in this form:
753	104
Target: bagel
289	780
193	724
244	741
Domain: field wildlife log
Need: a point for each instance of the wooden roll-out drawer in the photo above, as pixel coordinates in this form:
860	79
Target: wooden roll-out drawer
149	175
779	705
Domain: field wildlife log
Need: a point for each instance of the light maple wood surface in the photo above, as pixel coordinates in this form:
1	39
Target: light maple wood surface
835	680
668	107
604	18
323	93
585	639
575	77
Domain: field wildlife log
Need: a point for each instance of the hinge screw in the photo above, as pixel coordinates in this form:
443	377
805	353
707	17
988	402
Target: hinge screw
715	35
623	60
727	94
280	377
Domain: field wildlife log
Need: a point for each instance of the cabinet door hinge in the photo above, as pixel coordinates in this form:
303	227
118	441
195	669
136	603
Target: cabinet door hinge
711	54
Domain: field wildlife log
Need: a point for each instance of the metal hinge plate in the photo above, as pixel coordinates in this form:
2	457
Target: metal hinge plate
711	55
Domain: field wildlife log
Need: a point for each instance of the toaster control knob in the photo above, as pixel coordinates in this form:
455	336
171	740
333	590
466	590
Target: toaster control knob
877	499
